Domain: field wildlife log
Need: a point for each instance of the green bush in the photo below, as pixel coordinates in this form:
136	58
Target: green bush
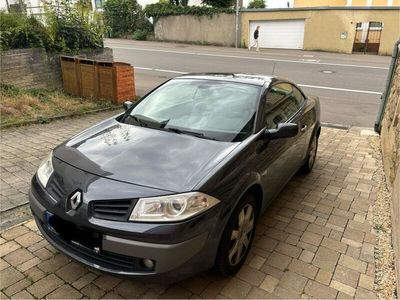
68	30
163	9
256	4
125	17
20	31
140	35
219	3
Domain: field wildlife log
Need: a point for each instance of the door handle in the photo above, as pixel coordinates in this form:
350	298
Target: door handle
303	128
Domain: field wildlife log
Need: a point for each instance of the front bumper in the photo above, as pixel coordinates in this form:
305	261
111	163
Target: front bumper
119	254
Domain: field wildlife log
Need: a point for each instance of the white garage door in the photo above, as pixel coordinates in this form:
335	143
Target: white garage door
287	34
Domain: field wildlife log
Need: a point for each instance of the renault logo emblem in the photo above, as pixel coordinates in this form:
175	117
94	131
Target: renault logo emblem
75	199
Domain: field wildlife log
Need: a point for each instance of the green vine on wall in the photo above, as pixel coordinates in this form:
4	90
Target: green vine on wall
163	9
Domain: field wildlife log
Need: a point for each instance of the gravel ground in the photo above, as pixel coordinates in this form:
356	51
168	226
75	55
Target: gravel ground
385	278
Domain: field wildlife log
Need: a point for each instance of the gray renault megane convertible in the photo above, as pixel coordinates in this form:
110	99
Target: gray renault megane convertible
175	184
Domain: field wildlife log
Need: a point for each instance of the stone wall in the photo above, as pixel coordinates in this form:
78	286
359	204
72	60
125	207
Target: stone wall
390	140
216	29
34	68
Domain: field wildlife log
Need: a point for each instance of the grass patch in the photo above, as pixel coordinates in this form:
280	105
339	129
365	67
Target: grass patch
39	105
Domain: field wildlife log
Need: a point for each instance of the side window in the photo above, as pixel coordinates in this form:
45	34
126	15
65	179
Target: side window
298	96
282	101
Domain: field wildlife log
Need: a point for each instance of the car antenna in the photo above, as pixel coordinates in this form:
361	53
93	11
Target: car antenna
273	69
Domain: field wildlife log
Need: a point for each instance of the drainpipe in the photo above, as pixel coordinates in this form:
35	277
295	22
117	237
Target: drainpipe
237	24
388	83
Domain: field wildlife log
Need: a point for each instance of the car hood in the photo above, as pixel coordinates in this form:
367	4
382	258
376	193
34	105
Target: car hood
143	156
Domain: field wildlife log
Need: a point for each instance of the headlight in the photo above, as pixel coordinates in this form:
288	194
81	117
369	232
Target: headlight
45	169
171	208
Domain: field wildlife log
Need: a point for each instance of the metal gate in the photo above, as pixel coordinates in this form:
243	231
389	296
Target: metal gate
367	37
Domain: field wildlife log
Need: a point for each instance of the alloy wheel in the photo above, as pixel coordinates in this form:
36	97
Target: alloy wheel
313	153
241	235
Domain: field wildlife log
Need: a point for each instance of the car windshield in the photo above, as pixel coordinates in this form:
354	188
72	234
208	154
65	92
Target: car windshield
210	109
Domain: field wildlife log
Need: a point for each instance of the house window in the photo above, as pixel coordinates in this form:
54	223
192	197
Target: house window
98	3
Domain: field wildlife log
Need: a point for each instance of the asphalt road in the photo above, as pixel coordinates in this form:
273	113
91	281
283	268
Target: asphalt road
349	86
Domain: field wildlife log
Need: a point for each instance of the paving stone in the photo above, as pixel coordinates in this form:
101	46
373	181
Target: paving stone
278	261
17	287
236	289
303	268
71	272
250	275
288	250
283	293
257	262
269	284
45	286
195	284
318	229
43	254
214	288
64	292
293	282
28	239
34	274
92	291
130	289
353	263
305	217
9	276
311	238
107	282
362	293
3	264
343	287
112	295
320	291
8	247
326	259
307	247
267	269
28	264
14	232
324	277
22	295
334	245
306	256
18	257
267	243
54	263
84	281
366	282
346	276
257	293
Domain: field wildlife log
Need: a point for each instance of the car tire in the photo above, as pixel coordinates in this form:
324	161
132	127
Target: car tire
237	237
311	156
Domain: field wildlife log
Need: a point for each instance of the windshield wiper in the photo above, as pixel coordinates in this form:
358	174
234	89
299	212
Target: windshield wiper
144	121
188	132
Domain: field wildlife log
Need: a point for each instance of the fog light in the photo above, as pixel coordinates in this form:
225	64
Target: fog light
148	263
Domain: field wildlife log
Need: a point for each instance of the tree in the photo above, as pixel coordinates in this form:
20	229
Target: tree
256	4
218	3
125	17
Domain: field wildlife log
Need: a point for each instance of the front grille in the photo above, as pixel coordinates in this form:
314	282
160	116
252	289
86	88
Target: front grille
115	210
83	243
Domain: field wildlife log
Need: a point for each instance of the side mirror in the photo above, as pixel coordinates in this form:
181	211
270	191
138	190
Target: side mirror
284	130
127	105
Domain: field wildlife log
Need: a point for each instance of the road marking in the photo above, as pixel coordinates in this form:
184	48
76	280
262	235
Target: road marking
249	57
339	89
302	85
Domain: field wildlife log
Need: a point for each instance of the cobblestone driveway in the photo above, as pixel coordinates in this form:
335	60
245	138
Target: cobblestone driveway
316	240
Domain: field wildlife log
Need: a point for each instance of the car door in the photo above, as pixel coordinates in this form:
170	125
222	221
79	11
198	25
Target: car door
300	144
275	157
